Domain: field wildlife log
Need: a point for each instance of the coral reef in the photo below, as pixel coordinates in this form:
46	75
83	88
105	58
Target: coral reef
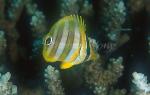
38	25
82	7
29	91
6	87
112	18
148	44
101	79
101	75
53	81
141	86
3	45
117	92
136	6
37	20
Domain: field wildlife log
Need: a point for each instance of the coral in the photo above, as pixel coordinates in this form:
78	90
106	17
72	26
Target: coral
87	8
101	79
112	18
100	90
76	7
148	44
117	92
136	5
6	87
38	25
98	76
8	21
37	20
69	7
14	6
30	91
52	78
141	86
23	19
3	43
2	4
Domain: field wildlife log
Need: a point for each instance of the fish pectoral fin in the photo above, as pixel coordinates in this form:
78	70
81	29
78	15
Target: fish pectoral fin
66	65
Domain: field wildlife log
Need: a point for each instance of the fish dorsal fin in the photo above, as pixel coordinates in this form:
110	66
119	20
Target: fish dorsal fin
82	25
74	19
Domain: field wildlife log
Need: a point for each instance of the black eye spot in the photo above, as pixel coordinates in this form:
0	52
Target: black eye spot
48	41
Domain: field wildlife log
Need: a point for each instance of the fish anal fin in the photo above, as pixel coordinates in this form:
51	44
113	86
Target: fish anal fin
50	59
66	65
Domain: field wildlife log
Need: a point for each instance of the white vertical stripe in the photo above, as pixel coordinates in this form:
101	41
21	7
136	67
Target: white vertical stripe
63	40
82	55
76	42
83	50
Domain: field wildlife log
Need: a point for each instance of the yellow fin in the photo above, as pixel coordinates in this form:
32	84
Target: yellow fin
93	55
65	65
49	59
74	18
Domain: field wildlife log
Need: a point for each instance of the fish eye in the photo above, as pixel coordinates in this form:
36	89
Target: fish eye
49	41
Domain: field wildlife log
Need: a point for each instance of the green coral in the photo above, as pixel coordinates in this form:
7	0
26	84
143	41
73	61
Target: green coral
3	43
112	18
14	6
53	81
148	40
97	75
6	87
69	7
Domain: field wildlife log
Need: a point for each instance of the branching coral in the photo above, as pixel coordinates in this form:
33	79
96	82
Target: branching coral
7	23
97	75
6	87
38	26
83	7
112	18
136	5
52	78
148	40
37	20
117	92
2	44
100	90
14	6
100	79
141	86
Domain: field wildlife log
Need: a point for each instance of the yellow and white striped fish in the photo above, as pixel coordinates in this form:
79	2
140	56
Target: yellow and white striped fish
67	42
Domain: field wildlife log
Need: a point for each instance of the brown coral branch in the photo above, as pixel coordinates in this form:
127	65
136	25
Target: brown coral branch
2	4
97	75
12	34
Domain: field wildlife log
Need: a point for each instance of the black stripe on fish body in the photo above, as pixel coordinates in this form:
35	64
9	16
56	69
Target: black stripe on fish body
87	49
74	52
69	42
50	34
62	43
57	41
48	48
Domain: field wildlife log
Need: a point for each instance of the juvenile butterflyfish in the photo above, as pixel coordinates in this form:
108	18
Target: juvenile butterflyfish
67	43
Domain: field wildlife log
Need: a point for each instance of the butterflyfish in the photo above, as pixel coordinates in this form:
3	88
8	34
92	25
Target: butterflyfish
67	42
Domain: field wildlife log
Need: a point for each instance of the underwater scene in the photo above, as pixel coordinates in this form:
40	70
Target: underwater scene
74	47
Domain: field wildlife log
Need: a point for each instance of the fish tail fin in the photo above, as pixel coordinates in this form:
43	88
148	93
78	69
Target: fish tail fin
94	49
